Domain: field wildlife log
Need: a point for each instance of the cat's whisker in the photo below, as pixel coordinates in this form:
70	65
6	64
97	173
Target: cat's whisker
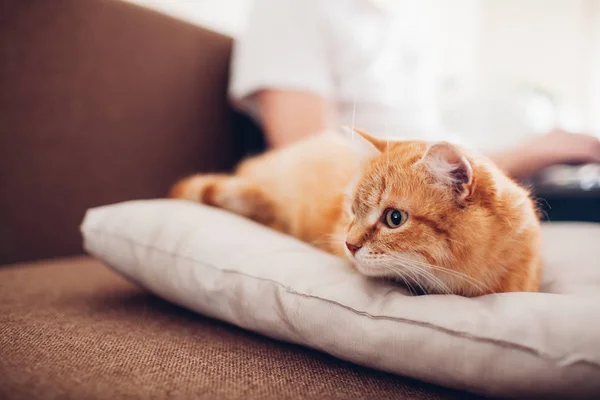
353	116
416	280
449	272
478	284
428	276
408	285
387	148
438	283
456	274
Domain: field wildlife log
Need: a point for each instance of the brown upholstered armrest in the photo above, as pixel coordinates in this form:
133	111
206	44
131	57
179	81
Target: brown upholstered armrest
100	101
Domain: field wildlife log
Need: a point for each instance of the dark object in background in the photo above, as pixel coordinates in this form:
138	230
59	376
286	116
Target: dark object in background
569	193
249	137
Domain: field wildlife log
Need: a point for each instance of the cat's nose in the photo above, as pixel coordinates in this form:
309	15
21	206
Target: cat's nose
352	247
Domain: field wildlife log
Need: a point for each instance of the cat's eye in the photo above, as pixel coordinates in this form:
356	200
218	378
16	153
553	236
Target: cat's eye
394	218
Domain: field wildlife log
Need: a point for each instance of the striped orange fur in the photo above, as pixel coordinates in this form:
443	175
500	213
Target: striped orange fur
466	228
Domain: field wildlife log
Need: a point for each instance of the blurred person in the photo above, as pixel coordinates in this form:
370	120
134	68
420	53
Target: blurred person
304	66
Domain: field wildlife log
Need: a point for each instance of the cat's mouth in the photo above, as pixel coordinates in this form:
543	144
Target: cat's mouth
373	265
370	270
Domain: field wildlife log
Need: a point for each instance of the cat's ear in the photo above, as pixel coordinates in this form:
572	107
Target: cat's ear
365	144
449	166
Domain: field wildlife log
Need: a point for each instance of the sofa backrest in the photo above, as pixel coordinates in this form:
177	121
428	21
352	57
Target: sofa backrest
101	101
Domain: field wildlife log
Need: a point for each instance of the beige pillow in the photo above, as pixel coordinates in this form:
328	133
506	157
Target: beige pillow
223	266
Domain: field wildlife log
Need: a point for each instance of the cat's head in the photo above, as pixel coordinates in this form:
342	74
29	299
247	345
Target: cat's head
430	215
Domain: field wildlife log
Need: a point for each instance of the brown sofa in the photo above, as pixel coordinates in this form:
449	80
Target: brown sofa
100	102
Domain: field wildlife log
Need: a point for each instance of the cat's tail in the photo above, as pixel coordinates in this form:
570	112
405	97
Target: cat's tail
229	192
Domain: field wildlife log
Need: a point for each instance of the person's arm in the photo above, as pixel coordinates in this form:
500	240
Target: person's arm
281	71
516	163
289	116
555	147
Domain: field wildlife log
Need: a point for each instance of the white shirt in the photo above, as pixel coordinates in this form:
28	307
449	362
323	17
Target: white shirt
369	57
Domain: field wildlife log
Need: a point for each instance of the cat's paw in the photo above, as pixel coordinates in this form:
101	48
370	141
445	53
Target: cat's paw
197	188
245	198
231	193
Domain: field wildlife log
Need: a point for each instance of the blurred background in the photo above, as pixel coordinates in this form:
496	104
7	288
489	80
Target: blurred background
104	101
507	67
505	71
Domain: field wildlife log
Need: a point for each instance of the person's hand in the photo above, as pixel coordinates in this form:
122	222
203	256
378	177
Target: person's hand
561	147
555	147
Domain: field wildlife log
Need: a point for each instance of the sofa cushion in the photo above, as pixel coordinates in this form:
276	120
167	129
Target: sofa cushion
71	328
224	266
101	101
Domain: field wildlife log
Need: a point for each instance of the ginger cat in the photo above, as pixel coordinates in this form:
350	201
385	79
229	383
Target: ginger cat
430	214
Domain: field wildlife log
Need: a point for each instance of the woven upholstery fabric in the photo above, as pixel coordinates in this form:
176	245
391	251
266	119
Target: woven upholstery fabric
71	328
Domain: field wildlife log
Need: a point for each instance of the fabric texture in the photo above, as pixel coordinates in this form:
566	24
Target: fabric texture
101	101
73	329
223	266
